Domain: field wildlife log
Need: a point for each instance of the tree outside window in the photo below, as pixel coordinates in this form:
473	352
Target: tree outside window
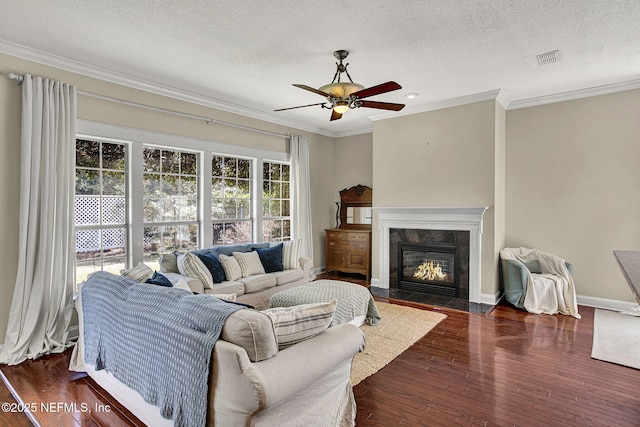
170	210
276	196
231	200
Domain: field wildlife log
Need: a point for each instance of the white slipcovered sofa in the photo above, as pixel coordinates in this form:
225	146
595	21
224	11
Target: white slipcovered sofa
251	381
253	289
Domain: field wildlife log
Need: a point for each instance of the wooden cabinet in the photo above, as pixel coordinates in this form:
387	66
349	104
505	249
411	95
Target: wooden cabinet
349	251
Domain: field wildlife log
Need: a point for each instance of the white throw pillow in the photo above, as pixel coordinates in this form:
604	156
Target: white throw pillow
169	263
291	254
190	265
140	272
231	267
249	262
300	322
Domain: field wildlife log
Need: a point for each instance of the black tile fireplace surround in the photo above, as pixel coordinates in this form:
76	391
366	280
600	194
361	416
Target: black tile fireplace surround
452	241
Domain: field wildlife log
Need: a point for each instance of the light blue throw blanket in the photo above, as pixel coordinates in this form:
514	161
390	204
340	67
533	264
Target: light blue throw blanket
156	340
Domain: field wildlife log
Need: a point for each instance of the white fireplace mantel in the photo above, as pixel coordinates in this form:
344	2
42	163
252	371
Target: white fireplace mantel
435	218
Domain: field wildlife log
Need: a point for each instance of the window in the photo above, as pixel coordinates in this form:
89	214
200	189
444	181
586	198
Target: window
170	202
136	200
276	196
231	201
100	207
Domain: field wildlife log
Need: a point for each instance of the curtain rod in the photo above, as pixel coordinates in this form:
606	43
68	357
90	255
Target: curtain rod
208	120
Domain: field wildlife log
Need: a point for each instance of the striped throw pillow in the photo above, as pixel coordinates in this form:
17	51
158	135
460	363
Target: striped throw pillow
291	254
140	272
190	265
300	322
250	263
231	267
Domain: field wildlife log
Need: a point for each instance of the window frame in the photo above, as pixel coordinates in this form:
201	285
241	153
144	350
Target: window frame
251	219
100	226
161	173
138	139
281	217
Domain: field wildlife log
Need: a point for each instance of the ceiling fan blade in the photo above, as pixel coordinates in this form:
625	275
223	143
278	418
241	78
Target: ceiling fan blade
376	90
335	116
299	106
382	105
311	89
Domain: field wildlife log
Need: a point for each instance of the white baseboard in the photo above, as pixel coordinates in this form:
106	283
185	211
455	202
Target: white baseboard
375	282
491	299
609	304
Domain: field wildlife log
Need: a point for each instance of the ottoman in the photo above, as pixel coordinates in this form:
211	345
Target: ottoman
355	303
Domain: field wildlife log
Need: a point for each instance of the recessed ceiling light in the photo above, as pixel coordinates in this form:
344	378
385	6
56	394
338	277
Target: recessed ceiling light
411	95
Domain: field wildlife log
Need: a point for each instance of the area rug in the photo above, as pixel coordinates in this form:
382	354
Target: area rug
616	338
399	328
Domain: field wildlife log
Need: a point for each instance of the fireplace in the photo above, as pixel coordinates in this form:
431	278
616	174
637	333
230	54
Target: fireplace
429	261
429	268
420	223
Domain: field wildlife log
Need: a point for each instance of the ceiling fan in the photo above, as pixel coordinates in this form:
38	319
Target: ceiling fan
341	96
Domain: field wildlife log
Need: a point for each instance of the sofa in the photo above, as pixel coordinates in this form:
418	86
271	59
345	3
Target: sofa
253	287
252	380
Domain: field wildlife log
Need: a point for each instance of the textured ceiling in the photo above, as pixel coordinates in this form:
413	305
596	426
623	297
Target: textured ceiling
247	54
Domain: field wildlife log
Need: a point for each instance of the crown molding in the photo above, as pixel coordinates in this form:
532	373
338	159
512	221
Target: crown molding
576	94
353	132
110	76
496	95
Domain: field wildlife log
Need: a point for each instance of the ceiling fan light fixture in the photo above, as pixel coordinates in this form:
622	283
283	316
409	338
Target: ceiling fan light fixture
341	107
342	96
341	90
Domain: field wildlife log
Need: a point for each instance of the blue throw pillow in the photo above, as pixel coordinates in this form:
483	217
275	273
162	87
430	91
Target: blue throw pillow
271	258
160	280
213	264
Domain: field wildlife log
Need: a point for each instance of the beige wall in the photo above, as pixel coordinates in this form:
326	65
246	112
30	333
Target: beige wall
499	202
573	185
443	158
353	162
322	149
9	193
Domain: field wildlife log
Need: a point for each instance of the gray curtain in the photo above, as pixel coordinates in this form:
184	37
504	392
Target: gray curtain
43	296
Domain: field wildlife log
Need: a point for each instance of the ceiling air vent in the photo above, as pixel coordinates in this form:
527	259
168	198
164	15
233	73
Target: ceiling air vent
549	57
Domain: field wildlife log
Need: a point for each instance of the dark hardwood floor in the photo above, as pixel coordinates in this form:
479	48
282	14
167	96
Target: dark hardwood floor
505	368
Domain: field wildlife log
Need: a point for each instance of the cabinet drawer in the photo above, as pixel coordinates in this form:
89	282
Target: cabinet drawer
337	236
358	246
358	237
338	244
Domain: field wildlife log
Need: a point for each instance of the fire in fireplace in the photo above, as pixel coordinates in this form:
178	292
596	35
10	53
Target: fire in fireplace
429	268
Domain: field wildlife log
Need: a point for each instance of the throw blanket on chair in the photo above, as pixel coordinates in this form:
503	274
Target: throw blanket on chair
154	339
550	292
